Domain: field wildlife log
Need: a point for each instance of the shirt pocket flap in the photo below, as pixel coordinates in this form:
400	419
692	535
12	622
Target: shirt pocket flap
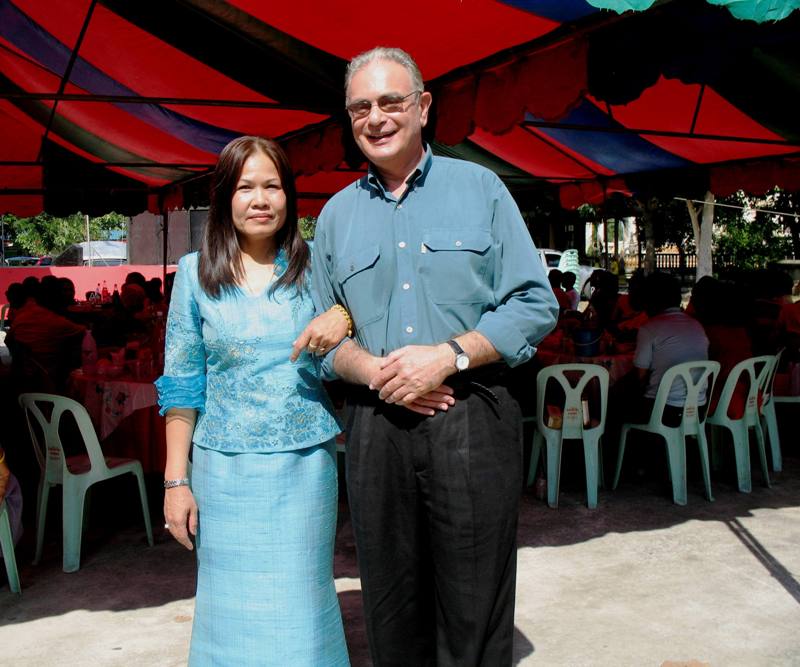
364	259
455	239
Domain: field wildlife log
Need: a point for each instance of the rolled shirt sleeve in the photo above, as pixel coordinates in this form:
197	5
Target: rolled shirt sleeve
183	384
525	309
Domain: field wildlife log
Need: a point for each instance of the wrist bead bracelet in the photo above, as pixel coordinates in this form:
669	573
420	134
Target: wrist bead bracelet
346	315
172	483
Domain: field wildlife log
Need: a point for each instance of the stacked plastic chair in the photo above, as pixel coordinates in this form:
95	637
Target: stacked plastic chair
7	549
572	426
756	371
698	376
75	473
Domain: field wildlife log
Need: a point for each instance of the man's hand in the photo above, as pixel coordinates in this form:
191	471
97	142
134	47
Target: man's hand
440	399
411	372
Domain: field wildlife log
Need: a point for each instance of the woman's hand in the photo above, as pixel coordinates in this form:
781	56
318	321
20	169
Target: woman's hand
180	514
321	334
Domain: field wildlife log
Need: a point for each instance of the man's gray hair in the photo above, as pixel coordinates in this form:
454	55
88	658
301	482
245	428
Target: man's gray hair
384	53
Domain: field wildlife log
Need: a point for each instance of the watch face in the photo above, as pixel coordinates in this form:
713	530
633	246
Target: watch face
462	362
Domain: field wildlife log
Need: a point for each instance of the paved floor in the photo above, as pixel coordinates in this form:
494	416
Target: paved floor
637	581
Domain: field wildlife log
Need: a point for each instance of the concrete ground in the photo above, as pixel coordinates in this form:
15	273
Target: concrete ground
638	581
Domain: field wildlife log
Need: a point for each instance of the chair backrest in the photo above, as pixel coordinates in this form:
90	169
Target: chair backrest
50	453
698	377
757	370
767	392
572	415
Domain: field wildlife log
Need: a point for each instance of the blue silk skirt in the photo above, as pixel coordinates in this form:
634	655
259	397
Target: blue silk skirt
265	589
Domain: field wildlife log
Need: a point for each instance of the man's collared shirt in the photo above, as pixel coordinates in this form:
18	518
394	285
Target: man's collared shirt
451	255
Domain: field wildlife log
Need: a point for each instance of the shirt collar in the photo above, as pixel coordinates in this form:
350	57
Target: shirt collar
417	177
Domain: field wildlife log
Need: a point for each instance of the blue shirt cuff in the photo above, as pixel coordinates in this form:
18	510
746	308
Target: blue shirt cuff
181	392
508	341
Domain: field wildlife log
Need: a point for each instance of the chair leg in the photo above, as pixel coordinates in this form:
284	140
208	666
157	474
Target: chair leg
762	452
741	452
7	549
41	517
623	436
536	449
717	434
72	521
771	420
590	462
145	507
553	469
702	448
676	459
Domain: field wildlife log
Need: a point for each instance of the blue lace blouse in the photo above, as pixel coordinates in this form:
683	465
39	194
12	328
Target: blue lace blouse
229	359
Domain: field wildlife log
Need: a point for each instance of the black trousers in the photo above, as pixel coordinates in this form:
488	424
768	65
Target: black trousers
434	505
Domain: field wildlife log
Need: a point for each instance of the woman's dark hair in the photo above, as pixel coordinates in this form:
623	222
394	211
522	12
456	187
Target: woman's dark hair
220	266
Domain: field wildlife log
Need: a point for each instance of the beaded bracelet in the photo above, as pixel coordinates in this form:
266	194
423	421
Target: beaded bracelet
339	307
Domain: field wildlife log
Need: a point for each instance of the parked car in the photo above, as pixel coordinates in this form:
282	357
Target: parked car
551	260
21	260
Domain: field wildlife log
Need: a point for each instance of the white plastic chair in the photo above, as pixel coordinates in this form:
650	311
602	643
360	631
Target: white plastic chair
7	549
75	473
697	376
572	427
758	371
769	418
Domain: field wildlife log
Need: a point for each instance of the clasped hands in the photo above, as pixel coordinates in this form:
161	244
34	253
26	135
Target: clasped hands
413	376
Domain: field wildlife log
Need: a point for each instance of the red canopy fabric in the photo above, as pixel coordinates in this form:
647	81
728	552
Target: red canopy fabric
153	92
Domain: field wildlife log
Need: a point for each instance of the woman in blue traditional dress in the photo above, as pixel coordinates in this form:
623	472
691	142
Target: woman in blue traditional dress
241	383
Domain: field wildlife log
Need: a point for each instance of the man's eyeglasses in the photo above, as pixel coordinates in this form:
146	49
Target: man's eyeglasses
386	103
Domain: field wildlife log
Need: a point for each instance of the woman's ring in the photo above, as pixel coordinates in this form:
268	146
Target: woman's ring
311	346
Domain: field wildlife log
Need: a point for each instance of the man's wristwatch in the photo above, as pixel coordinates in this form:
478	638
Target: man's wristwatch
462	359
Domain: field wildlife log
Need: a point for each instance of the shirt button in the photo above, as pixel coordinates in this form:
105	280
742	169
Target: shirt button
406	286
409	329
399	206
458	244
402	244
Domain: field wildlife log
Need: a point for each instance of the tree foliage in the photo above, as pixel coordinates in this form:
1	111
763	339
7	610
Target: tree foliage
45	234
750	239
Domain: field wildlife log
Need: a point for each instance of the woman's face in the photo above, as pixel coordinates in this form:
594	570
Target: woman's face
258	207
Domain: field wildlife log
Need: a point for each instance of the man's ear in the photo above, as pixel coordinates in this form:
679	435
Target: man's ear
425	100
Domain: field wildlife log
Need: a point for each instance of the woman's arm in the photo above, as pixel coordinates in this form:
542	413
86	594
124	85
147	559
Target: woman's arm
324	332
180	508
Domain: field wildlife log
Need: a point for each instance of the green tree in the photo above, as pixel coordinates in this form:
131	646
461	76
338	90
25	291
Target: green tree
308	226
45	234
751	239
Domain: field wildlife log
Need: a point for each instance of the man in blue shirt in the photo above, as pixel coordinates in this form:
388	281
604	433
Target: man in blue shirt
435	264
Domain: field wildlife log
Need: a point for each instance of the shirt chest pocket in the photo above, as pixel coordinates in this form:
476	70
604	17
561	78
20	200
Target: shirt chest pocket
454	266
364	285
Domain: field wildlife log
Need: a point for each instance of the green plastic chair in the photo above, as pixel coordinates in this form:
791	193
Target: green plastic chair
769	418
758	371
572	427
75	473
697	376
7	549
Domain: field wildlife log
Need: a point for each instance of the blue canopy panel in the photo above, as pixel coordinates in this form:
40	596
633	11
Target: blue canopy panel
621	152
